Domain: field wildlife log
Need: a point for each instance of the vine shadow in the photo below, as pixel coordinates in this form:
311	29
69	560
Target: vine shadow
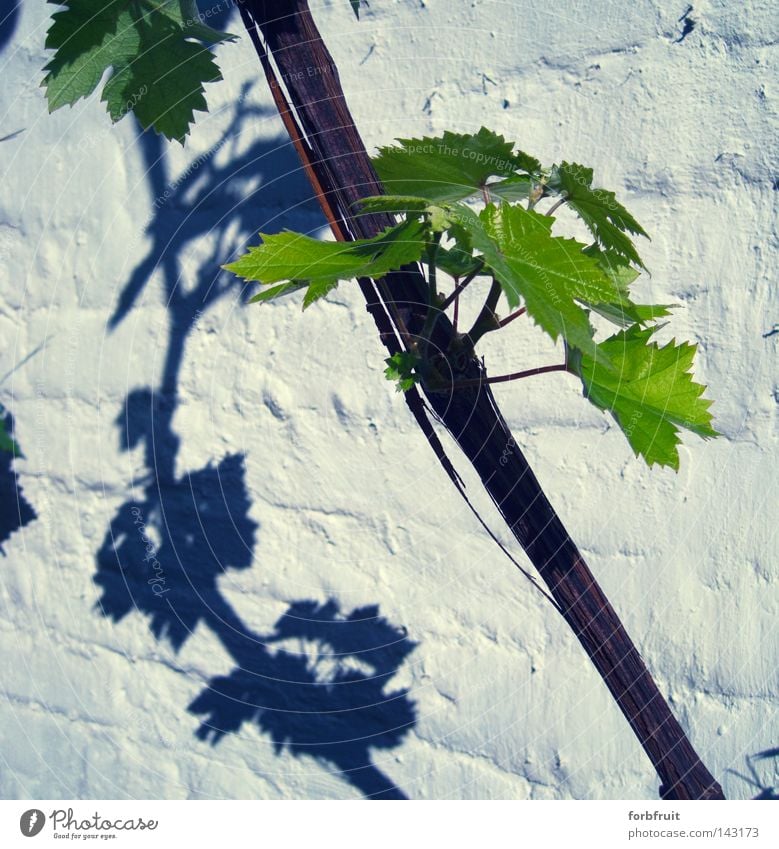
318	683
767	792
15	510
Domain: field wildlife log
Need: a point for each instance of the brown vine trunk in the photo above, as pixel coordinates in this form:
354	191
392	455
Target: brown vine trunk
341	174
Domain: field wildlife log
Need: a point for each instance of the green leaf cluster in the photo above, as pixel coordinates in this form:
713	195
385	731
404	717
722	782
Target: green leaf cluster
471	206
154	57
401	369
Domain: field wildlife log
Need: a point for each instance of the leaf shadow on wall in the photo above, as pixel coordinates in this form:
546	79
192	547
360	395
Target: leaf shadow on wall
9	20
15	510
319	683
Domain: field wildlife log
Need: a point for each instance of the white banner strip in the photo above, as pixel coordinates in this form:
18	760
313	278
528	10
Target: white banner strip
391	825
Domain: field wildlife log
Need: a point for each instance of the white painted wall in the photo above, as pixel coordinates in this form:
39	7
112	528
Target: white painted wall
348	501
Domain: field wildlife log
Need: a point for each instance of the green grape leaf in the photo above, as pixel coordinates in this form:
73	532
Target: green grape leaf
400	369
649	391
355	4
156	68
450	167
551	274
320	265
164	82
605	217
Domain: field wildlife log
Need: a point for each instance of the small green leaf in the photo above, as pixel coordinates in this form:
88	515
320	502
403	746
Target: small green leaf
528	164
320	265
314	291
275	292
400	369
457	260
317	290
649	391
625	313
606	218
450	167
355	8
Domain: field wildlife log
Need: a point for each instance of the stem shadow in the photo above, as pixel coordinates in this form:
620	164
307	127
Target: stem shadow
319	683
